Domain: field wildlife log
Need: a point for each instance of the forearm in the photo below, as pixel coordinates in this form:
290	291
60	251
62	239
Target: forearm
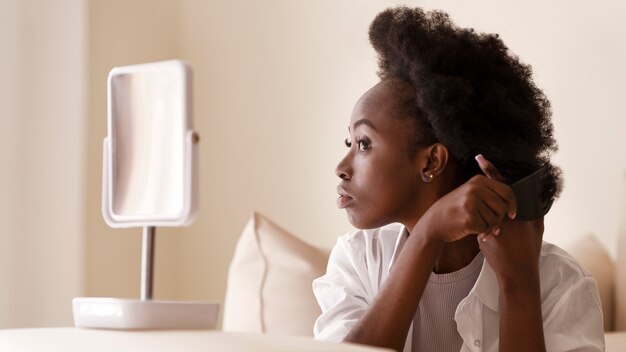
521	323
387	322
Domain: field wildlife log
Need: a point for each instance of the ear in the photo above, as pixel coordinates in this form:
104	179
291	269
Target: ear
434	161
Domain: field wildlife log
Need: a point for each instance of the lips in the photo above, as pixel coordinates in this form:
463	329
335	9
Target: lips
344	198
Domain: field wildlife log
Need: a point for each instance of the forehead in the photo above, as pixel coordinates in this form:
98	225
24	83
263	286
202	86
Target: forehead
381	105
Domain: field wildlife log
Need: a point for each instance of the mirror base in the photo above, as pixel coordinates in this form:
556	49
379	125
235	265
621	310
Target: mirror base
133	314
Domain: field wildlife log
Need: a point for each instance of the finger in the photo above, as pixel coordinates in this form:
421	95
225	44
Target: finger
490	219
505	193
480	240
495	203
489	169
484	237
475	222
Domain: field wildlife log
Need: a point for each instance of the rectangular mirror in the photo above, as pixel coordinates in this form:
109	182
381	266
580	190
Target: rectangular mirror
149	173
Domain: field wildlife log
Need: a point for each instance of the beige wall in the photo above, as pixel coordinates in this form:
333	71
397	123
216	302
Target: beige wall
9	108
275	82
41	151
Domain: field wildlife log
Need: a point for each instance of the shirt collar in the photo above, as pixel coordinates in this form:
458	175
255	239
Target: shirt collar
402	237
486	288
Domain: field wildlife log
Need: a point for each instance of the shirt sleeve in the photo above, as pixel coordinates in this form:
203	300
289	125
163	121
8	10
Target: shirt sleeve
572	314
343	293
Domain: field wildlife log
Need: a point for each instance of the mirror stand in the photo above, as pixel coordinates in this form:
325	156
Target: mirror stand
144	313
147	262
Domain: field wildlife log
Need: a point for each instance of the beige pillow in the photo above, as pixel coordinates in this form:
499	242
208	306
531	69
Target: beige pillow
269	281
590	253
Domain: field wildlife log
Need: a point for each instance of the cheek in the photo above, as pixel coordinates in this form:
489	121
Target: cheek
383	187
386	177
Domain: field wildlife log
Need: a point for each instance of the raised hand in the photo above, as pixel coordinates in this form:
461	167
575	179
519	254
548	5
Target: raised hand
479	206
513	252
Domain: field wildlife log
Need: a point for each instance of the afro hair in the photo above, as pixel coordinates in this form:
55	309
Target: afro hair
470	93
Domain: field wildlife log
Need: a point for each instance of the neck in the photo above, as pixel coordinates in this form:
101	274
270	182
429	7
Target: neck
456	255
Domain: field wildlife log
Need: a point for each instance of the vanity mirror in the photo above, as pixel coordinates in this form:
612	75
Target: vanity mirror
149	179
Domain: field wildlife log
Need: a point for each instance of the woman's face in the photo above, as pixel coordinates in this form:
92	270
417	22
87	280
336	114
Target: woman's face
380	181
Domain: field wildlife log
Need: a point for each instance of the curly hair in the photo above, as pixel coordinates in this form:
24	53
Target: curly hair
468	92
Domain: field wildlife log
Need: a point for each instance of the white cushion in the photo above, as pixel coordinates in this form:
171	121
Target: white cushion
590	253
269	281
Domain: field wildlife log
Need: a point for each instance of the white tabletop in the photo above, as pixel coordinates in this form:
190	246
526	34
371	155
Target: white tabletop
615	341
74	339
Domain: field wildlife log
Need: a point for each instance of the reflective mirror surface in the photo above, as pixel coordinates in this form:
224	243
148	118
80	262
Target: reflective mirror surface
147	130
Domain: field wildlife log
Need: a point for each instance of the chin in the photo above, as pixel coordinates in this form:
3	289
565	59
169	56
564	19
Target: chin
364	222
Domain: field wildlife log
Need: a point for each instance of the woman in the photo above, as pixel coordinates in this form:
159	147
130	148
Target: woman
454	271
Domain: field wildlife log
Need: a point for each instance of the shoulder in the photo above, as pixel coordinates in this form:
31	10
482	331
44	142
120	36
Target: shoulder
357	266
555	261
571	307
367	254
563	278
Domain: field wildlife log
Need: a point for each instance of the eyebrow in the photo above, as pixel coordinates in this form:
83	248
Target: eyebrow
363	122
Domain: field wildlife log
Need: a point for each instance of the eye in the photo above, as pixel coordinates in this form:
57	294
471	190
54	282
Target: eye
348	142
364	144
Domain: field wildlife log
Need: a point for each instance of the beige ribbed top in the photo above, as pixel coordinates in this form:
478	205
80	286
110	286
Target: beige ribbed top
434	328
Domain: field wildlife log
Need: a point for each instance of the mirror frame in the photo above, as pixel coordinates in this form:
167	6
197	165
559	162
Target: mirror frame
185	215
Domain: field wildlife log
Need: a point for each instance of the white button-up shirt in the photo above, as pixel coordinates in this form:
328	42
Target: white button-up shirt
360	263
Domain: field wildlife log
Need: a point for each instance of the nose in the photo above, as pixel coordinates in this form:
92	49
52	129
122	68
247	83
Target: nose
344	168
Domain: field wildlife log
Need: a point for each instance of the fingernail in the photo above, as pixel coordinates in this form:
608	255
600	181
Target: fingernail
512	215
496	231
482	162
